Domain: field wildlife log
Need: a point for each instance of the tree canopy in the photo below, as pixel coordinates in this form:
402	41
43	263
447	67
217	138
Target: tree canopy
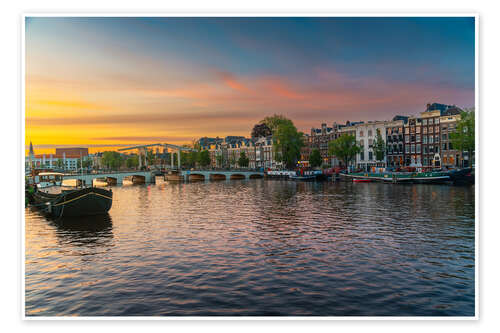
274	121
344	148
243	160
204	158
464	138
287	142
132	162
261	130
112	159
379	146
315	159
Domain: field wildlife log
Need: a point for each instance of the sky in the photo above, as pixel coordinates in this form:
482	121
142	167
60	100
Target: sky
110	81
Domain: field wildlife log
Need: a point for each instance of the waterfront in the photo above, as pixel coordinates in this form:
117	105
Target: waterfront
259	247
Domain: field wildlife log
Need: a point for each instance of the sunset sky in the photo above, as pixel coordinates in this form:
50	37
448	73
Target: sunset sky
109	81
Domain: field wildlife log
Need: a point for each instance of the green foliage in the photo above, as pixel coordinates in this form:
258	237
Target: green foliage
132	162
232	158
379	146
344	148
315	159
274	121
204	158
287	142
112	159
150	157
60	163
243	160
220	160
464	138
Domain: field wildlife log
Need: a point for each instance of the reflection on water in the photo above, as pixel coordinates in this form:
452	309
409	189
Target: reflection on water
258	248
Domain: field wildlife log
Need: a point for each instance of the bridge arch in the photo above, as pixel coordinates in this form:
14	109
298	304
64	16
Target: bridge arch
217	176
196	177
235	176
112	180
256	176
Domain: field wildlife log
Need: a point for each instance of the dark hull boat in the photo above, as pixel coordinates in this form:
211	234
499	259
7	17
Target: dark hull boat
73	203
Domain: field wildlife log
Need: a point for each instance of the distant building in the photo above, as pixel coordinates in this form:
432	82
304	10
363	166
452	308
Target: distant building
64	158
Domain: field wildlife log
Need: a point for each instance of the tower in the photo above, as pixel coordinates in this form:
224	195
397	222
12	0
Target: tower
31	156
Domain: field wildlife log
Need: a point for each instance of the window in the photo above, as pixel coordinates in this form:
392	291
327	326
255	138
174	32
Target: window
418	148
418	137
443	137
431	121
361	134
407	139
413	138
424	121
425	130
370	133
431	149
443	128
436	139
444	146
418	129
418	159
362	143
426	150
436	121
425	161
407	130
370	142
431	139
413	149
362	156
437	149
450	146
424	139
407	149
370	155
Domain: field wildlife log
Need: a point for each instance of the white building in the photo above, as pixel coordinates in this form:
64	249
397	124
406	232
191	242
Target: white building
366	134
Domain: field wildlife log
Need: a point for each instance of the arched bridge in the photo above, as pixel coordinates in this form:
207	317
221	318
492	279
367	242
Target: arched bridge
113	177
192	175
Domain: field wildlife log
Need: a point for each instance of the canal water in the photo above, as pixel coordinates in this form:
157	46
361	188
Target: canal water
258	247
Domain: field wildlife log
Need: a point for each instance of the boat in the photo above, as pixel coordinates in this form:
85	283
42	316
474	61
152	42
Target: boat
423	177
360	180
304	178
62	201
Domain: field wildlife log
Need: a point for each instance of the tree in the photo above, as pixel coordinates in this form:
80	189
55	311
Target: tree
220	160
287	142
243	160
232	158
261	130
132	162
344	148
315	159
379	146
111	159
60	163
204	158
464	139
274	121
150	157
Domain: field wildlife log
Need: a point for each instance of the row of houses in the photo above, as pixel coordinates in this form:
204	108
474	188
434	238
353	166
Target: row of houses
419	141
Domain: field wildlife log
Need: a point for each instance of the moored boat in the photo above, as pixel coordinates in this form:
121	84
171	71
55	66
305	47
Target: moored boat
56	198
437	176
77	202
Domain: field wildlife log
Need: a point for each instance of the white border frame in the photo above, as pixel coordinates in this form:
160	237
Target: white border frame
266	13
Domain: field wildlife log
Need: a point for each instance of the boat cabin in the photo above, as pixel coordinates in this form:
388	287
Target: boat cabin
47	179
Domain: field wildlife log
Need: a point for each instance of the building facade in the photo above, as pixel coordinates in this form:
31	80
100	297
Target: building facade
394	133
366	135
